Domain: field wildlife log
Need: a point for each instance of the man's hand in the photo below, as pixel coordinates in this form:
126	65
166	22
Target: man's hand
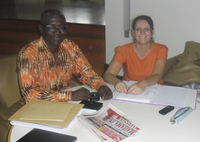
105	93
81	94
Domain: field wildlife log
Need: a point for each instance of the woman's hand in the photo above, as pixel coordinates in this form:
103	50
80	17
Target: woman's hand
121	87
136	88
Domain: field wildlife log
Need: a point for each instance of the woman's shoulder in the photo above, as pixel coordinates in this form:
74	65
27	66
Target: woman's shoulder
127	46
159	46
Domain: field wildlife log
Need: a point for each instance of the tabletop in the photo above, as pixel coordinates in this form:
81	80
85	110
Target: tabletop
155	127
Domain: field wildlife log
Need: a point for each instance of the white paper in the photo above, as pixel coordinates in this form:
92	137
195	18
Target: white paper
46	127
111	124
161	95
176	96
78	87
144	97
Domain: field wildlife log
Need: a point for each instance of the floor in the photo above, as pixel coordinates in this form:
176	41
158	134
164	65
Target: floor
75	11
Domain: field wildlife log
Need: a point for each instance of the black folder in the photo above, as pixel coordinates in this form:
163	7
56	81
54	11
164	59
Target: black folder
37	135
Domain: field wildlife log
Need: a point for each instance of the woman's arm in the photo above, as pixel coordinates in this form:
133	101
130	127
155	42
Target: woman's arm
157	72
110	76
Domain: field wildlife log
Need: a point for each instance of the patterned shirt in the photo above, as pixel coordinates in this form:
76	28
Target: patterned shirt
43	77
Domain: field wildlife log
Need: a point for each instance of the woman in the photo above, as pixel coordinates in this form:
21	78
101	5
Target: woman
143	61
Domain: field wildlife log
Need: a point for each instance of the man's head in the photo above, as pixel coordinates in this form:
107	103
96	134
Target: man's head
53	28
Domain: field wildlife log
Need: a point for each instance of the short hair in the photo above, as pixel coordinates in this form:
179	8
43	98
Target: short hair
143	17
44	14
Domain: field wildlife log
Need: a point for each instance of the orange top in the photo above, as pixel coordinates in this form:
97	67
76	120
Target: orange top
43	77
136	69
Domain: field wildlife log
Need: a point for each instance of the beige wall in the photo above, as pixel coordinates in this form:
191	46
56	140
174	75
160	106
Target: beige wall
175	22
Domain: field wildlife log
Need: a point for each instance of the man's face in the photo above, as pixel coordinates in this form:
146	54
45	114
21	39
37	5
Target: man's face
53	30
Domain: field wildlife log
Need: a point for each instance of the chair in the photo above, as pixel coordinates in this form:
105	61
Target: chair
9	93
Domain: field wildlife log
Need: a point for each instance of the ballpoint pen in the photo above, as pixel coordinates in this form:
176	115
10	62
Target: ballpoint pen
98	135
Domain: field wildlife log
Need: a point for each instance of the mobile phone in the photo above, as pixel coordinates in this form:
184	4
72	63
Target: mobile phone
91	105
166	110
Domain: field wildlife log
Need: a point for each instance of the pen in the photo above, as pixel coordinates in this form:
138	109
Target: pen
97	135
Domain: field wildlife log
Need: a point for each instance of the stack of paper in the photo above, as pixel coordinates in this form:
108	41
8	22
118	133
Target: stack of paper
144	97
161	95
47	115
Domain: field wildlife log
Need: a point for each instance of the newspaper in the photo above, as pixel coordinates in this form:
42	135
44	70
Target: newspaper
110	124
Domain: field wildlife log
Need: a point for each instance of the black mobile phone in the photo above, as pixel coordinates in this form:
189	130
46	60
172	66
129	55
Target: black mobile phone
91	105
166	110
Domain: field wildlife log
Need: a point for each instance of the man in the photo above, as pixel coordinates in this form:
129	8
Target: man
46	65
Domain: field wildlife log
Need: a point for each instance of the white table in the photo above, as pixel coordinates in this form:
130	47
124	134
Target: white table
155	127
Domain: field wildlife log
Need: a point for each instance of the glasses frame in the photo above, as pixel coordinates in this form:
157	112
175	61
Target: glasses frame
52	28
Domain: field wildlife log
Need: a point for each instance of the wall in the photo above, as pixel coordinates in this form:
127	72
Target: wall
15	34
175	22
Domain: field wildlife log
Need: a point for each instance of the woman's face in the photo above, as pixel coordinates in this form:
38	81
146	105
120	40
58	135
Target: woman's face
142	32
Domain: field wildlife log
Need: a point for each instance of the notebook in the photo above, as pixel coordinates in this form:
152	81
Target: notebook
50	125
161	95
37	135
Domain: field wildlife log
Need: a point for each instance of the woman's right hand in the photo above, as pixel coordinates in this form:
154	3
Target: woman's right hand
121	87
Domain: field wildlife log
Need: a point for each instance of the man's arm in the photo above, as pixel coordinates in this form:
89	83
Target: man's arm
84	73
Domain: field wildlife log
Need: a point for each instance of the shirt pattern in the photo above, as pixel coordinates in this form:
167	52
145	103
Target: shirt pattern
43	77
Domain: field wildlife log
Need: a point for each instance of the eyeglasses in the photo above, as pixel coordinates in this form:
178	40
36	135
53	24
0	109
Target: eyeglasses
53	28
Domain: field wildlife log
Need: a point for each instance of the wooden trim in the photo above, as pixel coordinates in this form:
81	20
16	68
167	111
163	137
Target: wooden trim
9	134
15	34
